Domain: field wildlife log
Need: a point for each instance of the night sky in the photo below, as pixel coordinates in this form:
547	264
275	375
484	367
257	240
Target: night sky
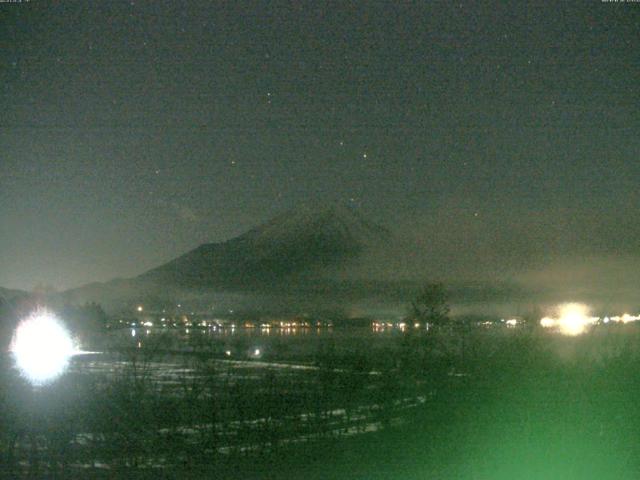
498	140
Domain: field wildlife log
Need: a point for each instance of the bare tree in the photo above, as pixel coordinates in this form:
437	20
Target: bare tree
431	305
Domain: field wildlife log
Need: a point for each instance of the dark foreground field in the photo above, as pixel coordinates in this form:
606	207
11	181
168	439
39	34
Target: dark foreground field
488	405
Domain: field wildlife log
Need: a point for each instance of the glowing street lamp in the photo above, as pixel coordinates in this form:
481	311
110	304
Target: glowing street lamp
572	319
41	347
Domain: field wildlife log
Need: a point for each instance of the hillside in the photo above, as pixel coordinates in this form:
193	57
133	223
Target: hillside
301	245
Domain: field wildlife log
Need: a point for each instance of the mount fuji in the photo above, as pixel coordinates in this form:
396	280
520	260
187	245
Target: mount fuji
299	245
301	254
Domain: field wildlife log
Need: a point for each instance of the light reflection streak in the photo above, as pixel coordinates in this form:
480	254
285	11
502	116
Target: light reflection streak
575	319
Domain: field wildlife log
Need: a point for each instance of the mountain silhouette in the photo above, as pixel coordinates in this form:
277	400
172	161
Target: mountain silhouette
299	245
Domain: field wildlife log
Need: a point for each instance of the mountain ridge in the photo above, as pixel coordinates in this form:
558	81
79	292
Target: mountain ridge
295	254
7	294
296	244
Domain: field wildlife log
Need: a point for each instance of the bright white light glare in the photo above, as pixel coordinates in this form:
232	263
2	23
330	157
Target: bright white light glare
571	319
547	322
41	347
574	319
626	318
